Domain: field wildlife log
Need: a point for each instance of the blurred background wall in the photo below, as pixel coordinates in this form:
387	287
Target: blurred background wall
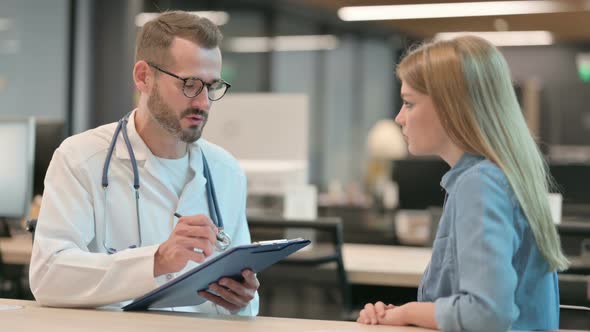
71	61
68	63
34	58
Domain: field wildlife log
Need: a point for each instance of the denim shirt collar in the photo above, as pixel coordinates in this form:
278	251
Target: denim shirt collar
465	162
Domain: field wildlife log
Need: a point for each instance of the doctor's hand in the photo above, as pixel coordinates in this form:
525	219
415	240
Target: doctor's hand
379	313
191	232
231	294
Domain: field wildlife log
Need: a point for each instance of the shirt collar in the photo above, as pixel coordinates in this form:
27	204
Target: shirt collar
465	162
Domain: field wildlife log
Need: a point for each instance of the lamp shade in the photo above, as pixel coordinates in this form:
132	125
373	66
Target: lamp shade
385	141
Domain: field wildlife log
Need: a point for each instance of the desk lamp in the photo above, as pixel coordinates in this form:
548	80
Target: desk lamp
385	144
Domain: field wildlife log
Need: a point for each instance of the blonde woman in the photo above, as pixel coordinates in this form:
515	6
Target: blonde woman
496	251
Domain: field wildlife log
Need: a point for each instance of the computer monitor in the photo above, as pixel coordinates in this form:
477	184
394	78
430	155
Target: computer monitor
48	136
418	180
17	145
268	134
570	180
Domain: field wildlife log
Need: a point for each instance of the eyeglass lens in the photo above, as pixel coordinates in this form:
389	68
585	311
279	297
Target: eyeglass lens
215	91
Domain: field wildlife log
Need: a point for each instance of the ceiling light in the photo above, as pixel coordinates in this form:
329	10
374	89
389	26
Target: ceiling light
247	44
219	18
305	43
505	38
280	43
456	9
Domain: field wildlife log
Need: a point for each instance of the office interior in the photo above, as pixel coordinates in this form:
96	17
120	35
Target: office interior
339	174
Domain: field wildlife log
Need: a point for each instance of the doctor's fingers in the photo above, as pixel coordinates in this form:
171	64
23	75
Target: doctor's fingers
197	220
250	279
246	288
194	256
195	232
250	282
191	243
231	296
245	293
218	301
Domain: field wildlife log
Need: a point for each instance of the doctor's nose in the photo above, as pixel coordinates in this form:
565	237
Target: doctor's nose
201	101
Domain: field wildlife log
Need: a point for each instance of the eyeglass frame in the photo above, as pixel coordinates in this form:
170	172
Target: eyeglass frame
185	79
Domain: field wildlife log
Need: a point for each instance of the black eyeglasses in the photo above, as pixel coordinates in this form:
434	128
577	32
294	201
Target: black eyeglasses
192	86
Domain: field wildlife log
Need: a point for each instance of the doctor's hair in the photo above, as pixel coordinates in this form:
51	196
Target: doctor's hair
470	85
154	40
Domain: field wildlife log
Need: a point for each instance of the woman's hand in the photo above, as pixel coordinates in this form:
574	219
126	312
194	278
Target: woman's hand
379	313
413	313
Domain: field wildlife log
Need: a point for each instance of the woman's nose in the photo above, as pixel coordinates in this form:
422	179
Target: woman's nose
400	119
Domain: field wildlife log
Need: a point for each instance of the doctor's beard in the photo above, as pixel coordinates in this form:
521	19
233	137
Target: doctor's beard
166	117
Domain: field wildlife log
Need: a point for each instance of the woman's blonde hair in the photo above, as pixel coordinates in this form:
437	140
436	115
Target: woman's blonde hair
469	82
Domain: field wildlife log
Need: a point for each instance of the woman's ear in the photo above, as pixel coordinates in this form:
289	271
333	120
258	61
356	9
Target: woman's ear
142	76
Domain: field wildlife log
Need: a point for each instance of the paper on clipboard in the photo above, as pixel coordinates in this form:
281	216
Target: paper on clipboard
182	291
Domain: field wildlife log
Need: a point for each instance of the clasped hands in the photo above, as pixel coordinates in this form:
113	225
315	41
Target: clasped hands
382	314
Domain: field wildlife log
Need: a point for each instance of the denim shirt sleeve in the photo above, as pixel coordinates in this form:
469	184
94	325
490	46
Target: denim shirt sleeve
485	242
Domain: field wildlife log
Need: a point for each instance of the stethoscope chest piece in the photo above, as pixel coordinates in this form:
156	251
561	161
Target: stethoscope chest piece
223	240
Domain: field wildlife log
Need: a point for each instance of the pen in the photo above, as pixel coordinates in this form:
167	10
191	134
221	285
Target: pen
178	215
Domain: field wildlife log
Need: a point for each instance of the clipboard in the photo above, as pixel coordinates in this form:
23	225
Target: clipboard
182	291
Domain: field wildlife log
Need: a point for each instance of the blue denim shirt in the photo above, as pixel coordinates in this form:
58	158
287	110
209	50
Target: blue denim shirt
486	272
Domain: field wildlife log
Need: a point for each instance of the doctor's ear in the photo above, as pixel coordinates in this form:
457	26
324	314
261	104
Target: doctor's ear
142	76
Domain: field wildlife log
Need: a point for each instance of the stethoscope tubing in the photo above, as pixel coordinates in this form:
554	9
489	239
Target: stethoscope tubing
223	239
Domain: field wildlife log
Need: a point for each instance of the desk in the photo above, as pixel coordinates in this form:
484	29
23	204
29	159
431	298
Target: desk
33	317
16	249
384	265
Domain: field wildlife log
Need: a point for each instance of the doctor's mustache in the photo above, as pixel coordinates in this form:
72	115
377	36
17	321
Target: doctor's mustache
199	112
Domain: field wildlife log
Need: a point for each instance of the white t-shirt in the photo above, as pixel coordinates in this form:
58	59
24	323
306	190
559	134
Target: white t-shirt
178	173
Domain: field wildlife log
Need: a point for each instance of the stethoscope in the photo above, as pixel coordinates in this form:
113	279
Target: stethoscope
223	240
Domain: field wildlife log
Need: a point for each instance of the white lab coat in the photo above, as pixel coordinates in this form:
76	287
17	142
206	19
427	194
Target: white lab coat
70	266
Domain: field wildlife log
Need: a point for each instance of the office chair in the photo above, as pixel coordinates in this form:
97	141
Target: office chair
321	266
4	228
12	276
7	285
11	280
30	226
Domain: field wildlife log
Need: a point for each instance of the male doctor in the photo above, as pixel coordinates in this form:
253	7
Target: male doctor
99	245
